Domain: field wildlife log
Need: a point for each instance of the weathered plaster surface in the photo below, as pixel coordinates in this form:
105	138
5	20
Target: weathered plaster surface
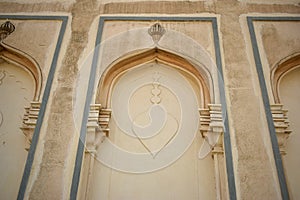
280	40
252	163
38	40
295	2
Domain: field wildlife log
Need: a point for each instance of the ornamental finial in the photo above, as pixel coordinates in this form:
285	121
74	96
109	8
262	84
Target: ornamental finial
156	31
6	29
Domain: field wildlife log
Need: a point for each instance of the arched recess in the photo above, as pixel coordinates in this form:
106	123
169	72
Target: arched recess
285	80
279	70
204	179
125	63
20	85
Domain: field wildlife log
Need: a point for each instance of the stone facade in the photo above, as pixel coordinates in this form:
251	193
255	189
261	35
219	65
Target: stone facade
226	72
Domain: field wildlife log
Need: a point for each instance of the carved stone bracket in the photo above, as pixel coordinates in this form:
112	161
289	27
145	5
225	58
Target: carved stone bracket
211	126
281	124
97	127
29	121
104	117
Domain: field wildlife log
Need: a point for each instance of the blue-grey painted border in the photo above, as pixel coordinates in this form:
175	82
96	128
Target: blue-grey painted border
45	97
80	149
265	97
227	142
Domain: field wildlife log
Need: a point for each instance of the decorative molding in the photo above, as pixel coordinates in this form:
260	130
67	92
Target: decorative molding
25	61
281	124
97	131
1	118
6	29
104	117
280	70
92	128
212	127
155	99
156	31
29	121
2	76
97	127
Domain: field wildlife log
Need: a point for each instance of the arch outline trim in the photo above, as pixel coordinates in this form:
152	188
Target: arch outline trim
25	61
280	69
125	63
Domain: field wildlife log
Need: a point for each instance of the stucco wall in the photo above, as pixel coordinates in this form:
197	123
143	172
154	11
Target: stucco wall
252	157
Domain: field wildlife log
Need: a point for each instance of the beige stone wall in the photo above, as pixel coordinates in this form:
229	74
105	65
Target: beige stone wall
17	90
254	168
289	97
278	42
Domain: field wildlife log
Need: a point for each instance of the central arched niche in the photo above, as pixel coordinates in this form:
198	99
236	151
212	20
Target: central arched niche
161	78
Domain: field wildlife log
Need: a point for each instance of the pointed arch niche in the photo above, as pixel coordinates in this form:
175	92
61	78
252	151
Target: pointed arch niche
285	84
20	85
136	85
110	76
